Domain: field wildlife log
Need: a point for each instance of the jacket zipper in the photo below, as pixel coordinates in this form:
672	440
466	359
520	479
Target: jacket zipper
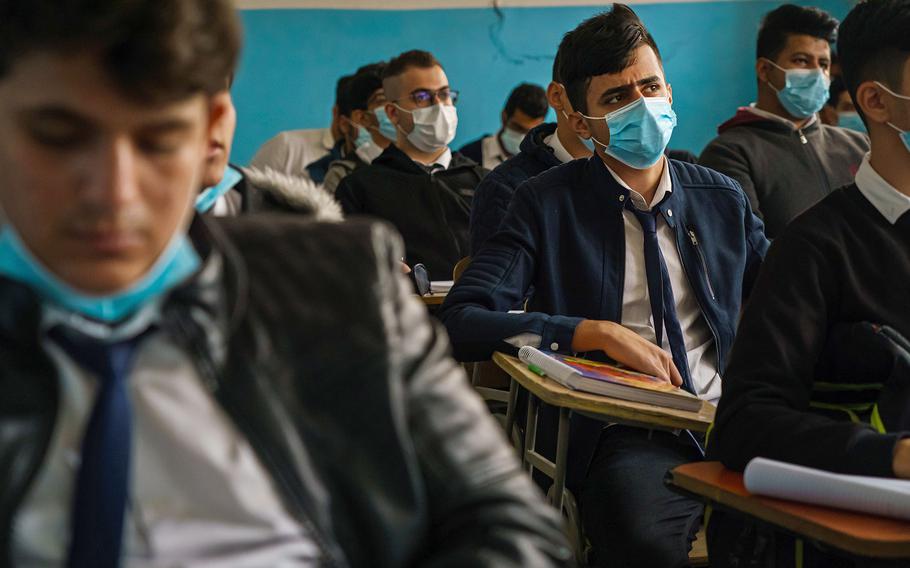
802	137
720	362
210	373
704	262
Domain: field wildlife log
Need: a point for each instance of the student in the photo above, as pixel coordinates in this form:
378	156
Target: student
180	390
844	111
844	262
595	239
418	183
546	146
363	130
525	109
785	159
232	190
291	151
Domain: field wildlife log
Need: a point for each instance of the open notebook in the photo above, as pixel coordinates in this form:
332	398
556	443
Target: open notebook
875	495
607	380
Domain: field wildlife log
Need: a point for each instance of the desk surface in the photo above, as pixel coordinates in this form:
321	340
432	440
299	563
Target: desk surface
434	299
554	394
856	533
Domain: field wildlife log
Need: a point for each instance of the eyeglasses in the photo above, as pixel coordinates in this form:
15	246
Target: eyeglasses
425	97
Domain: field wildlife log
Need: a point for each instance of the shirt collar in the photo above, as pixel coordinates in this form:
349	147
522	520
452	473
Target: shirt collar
444	160
771	116
494	149
559	150
891	203
664	186
327	141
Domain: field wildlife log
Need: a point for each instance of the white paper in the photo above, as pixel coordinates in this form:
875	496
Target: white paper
440	286
875	495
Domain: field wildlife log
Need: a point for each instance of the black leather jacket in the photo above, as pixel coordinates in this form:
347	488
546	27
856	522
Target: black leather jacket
308	336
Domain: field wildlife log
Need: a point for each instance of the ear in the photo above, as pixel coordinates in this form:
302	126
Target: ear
504	118
219	106
670	93
554	98
391	111
871	100
763	70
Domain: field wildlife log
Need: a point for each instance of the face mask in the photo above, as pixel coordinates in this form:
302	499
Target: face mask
850	120
178	261
209	196
805	91
511	141
434	127
368	151
588	143
639	132
363	136
904	134
386	128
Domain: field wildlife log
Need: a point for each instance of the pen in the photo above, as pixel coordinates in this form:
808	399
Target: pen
536	370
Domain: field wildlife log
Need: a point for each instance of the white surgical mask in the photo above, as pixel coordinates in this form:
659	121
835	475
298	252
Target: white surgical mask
434	127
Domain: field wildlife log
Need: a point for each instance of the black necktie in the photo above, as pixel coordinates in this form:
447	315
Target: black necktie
102	483
660	292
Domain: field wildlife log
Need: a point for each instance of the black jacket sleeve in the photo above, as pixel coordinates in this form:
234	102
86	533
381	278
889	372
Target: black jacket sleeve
764	410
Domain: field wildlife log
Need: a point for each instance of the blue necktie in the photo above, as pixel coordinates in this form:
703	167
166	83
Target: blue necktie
102	484
660	293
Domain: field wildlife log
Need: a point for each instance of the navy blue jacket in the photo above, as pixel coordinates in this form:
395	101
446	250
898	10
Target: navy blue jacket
564	237
492	196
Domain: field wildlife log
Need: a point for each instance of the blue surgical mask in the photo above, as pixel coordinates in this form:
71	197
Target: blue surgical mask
386	128
210	195
805	91
177	263
851	120
511	140
904	134
639	131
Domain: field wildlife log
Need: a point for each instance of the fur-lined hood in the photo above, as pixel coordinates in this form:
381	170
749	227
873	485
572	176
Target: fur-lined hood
302	194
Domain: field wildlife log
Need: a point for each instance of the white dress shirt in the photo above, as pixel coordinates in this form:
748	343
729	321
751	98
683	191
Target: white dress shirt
290	152
559	150
636	302
199	496
891	203
444	160
492	152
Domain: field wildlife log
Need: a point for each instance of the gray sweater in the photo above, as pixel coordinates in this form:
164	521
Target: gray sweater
782	170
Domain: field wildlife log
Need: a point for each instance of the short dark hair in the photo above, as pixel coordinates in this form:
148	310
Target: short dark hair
156	51
529	99
779	24
874	45
361	87
408	60
834	91
600	45
341	88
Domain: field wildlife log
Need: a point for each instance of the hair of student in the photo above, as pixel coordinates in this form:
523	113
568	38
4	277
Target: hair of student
874	45
341	89
529	99
360	88
779	24
409	60
834	91
155	51
601	45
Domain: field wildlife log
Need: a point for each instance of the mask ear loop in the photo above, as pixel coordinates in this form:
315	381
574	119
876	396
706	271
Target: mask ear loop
897	96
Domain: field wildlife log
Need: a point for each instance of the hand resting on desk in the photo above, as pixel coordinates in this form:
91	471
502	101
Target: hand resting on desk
626	347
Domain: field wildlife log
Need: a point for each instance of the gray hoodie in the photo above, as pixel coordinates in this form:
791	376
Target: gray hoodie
784	170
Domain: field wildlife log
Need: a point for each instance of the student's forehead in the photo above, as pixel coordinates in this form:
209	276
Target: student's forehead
423	78
645	65
806	44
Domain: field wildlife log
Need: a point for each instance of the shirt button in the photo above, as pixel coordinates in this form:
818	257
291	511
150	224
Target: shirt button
669	212
554	346
622	198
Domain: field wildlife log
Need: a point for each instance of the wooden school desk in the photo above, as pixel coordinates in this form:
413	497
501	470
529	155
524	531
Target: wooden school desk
857	534
548	391
434	298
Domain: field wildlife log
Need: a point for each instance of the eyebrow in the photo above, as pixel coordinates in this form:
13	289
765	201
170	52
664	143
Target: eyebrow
624	88
810	56
63	114
419	89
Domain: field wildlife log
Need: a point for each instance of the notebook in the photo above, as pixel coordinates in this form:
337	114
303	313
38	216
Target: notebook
608	380
874	495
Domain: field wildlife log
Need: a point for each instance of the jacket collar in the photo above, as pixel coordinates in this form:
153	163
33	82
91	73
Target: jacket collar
598	177
534	146
751	116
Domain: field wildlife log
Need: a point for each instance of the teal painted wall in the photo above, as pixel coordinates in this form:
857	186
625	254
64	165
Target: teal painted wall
292	59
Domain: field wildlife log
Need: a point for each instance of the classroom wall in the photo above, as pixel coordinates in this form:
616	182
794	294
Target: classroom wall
293	56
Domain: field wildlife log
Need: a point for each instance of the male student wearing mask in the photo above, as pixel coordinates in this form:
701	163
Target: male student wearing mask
779	151
631	256
365	139
525	109
180	390
545	147
418	183
230	190
830	306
